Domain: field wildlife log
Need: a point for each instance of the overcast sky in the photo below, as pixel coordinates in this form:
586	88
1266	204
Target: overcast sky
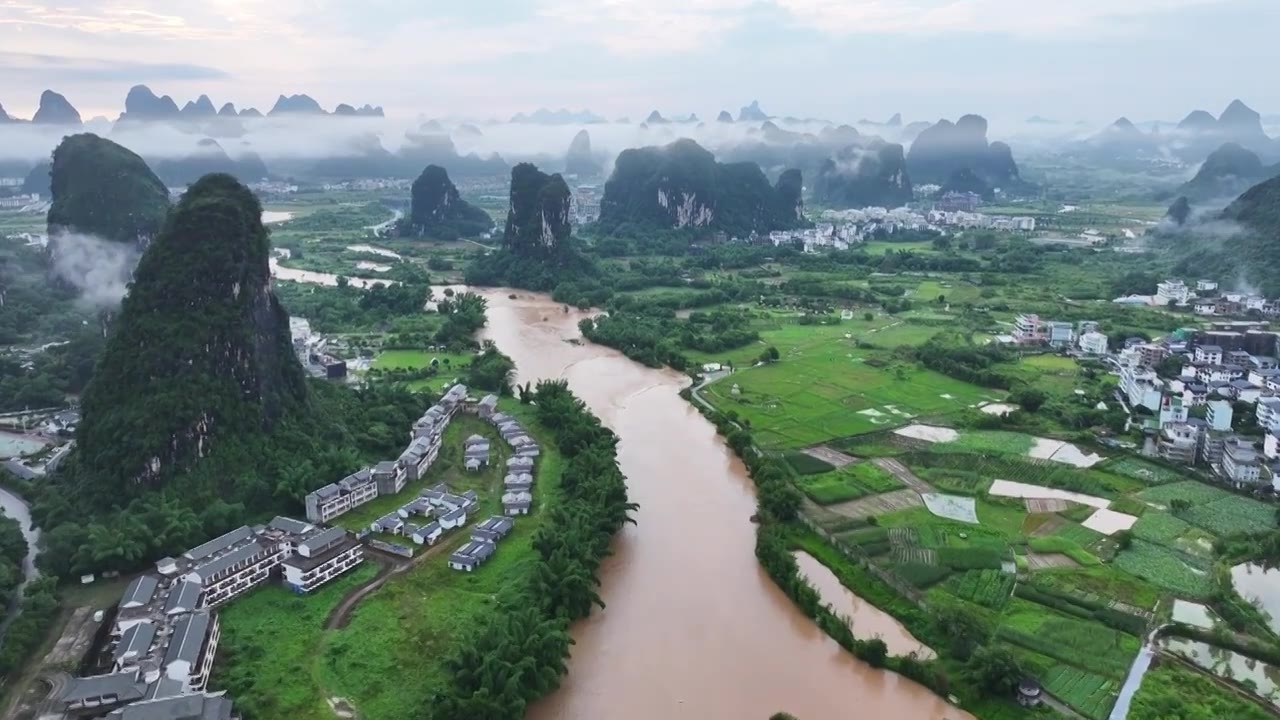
836	59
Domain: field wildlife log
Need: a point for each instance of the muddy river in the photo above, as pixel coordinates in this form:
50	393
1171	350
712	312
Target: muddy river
693	627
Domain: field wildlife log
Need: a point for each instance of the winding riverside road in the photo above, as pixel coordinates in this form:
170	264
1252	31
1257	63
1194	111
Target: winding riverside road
693	627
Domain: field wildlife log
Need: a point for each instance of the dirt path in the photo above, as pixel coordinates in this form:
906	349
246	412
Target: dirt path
901	472
390	567
830	455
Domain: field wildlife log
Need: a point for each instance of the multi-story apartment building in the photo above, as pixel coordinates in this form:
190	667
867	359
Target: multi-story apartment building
320	558
237	569
1220	415
188	659
1240	463
1093	343
1178	443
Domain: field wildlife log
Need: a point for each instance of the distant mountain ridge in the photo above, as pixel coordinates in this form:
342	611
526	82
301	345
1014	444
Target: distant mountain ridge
142	104
1226	173
543	116
945	148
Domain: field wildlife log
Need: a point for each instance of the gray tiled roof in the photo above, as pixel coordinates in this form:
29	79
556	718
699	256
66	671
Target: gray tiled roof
140	591
201	706
222	542
124	686
184	597
134	643
188	638
221	564
429	529
319	543
289	525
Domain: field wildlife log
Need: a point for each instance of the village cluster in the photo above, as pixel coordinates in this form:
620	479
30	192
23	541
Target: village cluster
165	631
841	229
1196	392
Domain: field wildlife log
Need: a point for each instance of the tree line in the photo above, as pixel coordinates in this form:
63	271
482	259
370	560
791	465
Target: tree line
520	654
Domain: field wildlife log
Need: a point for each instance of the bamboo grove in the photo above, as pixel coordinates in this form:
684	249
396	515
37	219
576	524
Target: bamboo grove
520	655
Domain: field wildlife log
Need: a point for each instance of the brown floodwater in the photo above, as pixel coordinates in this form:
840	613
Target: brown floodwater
867	620
693	627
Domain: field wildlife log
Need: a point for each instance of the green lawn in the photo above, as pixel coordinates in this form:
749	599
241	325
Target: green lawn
416	359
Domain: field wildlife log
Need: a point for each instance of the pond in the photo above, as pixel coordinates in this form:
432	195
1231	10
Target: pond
1260	678
1260	587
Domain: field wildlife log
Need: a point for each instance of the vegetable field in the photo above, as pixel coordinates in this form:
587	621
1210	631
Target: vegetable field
1092	695
989	588
1165	568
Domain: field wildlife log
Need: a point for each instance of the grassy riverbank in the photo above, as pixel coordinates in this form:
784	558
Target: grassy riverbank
389	660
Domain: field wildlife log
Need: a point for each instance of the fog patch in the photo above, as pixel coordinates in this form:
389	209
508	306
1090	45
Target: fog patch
100	269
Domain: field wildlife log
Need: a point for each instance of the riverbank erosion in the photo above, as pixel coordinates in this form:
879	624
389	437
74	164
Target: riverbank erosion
693	627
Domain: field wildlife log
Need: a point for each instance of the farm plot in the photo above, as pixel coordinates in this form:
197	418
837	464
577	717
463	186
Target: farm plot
820	393
951	507
1194	493
1161	528
1092	695
1149	473
1165	568
848	483
878	505
830	455
1087	645
1232	515
1048	561
988	588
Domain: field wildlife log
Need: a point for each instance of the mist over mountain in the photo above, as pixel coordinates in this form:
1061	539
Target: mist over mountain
543	116
4	117
870	175
209	157
752	113
579	159
947	147
1242	241
1226	173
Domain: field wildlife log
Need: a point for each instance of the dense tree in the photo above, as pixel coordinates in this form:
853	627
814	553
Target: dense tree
100	188
994	670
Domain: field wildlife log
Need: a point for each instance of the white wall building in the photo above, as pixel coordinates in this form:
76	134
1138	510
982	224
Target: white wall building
1220	415
1093	343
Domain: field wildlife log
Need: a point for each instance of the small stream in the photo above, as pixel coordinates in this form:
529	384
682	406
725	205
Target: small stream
17	508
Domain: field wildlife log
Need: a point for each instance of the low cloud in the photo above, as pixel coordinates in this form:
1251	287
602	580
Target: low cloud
99	268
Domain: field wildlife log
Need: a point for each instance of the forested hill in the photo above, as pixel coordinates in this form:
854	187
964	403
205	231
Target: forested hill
200	354
1243	243
682	186
437	210
101	188
1227	172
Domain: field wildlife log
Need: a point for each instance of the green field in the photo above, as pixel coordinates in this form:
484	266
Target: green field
388	661
828	390
1090	694
1171	692
848	483
1173	571
415	359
